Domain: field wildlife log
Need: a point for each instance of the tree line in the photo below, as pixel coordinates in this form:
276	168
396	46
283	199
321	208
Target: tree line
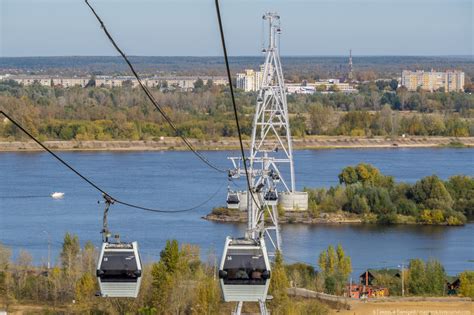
376	197
180	283
177	283
96	113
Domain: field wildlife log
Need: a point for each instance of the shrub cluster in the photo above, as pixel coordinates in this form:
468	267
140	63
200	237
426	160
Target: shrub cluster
365	191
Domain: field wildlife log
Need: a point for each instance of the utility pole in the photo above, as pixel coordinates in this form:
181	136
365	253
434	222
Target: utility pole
403	281
49	248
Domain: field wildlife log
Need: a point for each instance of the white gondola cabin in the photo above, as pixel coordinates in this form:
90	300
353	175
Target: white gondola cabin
244	271
233	200
271	198
119	270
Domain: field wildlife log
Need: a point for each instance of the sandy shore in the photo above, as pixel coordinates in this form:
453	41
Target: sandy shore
169	143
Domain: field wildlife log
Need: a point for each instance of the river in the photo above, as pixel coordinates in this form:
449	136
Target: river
177	180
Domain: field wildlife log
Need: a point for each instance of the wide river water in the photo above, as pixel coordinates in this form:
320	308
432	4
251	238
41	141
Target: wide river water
177	180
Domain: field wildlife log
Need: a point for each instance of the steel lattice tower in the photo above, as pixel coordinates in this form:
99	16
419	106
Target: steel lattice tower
271	127
350	74
270	151
271	148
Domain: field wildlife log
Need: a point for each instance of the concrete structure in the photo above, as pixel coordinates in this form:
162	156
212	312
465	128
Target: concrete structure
450	81
293	201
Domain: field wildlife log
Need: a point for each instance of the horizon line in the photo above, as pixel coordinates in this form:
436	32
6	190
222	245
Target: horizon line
234	56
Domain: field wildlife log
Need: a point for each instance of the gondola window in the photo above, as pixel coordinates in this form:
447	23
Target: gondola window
244	267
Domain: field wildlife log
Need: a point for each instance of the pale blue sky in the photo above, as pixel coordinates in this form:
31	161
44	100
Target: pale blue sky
189	27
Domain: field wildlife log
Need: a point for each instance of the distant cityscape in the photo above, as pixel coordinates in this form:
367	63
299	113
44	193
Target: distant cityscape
250	81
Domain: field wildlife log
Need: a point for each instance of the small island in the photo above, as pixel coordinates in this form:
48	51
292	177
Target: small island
365	195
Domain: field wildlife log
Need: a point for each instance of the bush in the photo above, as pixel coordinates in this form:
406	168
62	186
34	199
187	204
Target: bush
431	217
467	284
301	275
223	211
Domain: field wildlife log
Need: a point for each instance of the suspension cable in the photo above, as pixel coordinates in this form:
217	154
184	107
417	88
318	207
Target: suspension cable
91	183
150	95
234	105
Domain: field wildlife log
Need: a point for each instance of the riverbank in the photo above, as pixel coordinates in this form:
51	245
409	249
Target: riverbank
225	215
173	143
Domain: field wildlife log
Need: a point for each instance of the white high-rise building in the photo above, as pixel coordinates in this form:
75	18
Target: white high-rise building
250	80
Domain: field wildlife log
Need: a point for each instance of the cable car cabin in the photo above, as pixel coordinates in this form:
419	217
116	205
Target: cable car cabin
233	200
244	271
119	270
274	176
271	198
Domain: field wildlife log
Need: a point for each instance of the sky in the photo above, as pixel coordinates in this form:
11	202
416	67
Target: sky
189	27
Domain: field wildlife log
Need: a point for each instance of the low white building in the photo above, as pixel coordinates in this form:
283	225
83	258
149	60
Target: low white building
70	82
323	86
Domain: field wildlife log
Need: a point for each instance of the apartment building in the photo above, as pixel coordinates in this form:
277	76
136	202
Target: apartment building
181	82
250	80
450	81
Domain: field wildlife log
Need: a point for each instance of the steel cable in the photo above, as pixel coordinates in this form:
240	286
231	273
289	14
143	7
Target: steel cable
91	183
234	104
150	95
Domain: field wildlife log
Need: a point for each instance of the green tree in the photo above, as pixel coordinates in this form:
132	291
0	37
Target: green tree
320	119
70	252
393	84
365	174
435	278
461	189
344	264
467	284
359	205
321	88
5	255
335	266
278	286
431	193
416	277
162	273
348	176
199	84
209	84
426	279
208	296
85	288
